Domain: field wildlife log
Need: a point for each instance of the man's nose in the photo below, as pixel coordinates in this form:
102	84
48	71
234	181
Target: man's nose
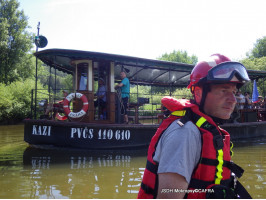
232	98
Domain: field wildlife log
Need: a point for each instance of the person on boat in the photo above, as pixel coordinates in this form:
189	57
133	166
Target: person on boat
260	103
56	107
125	91
101	99
190	155
248	103
239	106
240	100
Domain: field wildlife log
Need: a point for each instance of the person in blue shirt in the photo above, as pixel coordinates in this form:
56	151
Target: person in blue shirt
101	98
125	90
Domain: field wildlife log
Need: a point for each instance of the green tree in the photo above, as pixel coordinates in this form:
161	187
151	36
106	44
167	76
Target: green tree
63	80
176	56
179	56
259	49
255	63
15	100
15	43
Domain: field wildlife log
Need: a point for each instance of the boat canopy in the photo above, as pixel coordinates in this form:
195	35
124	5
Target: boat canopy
140	71
255	74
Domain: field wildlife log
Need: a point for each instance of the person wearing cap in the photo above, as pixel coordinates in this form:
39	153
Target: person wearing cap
190	155
125	91
260	103
101	98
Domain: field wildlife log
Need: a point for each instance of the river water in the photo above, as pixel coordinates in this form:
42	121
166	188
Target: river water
62	173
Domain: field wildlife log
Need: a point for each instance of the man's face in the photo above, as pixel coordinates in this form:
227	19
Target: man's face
101	82
122	75
220	101
65	94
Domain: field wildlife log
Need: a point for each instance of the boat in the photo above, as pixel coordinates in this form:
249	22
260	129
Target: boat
86	128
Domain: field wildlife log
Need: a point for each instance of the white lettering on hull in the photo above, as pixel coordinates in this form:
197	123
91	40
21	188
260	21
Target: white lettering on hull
81	133
41	130
86	133
103	134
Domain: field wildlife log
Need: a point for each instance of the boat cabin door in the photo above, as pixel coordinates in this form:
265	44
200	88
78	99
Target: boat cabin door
95	79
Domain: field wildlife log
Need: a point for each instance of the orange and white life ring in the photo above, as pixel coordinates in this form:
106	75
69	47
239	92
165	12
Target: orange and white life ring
84	109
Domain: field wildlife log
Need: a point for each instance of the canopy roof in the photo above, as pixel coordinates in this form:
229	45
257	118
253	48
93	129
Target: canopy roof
140	70
255	74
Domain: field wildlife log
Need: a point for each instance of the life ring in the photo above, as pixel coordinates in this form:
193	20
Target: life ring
84	109
60	117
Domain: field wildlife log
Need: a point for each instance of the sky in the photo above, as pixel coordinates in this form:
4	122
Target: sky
150	28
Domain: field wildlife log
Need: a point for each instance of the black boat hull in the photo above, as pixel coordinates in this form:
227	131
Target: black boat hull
87	136
113	136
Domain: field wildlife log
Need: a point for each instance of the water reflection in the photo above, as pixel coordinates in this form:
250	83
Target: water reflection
83	174
28	173
252	158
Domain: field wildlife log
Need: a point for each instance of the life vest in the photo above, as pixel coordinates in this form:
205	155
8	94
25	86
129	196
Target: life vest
214	167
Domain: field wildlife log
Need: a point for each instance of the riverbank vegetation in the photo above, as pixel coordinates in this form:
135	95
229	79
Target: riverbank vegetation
17	67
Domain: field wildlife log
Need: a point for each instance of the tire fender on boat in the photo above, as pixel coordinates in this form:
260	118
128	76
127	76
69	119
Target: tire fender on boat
84	109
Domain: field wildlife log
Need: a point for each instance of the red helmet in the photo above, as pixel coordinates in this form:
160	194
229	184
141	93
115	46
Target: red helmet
218	68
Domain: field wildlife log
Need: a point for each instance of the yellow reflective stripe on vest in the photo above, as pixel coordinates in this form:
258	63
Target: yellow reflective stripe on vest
179	113
219	167
200	121
219	157
231	148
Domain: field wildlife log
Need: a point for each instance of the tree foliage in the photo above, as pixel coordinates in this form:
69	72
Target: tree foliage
176	56
56	80
259	49
15	43
15	100
179	56
255	63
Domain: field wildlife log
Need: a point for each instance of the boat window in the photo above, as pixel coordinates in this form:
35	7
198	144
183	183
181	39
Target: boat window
83	76
101	88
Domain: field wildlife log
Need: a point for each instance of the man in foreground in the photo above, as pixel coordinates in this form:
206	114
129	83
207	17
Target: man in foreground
189	155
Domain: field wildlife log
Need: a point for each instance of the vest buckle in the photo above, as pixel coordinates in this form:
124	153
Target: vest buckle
218	142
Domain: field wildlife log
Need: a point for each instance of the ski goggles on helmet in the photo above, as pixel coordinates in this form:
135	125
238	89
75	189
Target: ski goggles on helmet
225	72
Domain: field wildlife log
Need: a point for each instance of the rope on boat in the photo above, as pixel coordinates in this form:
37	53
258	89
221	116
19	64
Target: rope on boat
119	96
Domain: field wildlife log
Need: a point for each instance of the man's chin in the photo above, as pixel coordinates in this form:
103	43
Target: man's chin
224	117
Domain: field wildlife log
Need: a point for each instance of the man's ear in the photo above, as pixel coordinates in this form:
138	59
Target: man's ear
198	94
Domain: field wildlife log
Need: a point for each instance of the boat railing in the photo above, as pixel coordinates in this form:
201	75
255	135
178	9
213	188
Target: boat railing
142	108
41	99
147	108
252	114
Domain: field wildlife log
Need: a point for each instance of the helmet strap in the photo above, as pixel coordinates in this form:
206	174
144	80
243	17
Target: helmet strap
205	90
